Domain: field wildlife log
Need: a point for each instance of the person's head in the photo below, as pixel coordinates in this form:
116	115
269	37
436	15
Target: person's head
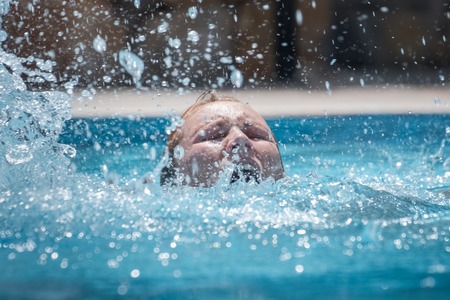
220	132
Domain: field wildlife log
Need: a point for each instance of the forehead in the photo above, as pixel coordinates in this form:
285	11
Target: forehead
225	110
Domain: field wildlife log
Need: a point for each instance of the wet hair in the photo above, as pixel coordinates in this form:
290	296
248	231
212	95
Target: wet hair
168	173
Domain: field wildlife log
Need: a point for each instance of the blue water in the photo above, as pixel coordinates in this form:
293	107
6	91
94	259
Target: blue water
363	215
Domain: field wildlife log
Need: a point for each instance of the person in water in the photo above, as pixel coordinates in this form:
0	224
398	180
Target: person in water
218	133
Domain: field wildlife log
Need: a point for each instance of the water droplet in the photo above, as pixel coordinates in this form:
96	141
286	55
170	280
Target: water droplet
236	78
226	60
132	63
122	290
299	17
185	81
193	36
192	12
424	42
178	152
137	3
175	43
135	273
97	146
333	61
68	150
168	61
361	81
428	282
327	86
177	273
3	35
163	27
299	268
384	9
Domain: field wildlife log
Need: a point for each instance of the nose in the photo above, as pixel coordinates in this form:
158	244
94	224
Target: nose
238	142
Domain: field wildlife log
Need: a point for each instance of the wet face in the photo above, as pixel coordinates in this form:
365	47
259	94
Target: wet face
228	135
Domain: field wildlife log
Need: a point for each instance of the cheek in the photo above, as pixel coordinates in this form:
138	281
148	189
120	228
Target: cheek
268	153
201	158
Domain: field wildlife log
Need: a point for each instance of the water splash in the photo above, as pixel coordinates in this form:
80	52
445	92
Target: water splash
30	123
310	225
133	64
55	224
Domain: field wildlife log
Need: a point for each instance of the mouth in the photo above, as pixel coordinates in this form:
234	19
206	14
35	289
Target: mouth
245	173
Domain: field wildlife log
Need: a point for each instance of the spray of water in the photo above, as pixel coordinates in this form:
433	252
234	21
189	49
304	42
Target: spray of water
65	221
30	123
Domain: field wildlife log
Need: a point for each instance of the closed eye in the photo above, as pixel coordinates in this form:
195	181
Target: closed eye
257	133
214	137
215	134
259	136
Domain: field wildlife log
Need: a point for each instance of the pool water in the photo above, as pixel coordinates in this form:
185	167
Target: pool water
363	214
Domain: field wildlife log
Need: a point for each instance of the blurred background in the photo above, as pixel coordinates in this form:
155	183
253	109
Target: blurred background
190	44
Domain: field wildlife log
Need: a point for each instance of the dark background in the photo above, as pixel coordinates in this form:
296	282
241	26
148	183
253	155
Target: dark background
301	44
